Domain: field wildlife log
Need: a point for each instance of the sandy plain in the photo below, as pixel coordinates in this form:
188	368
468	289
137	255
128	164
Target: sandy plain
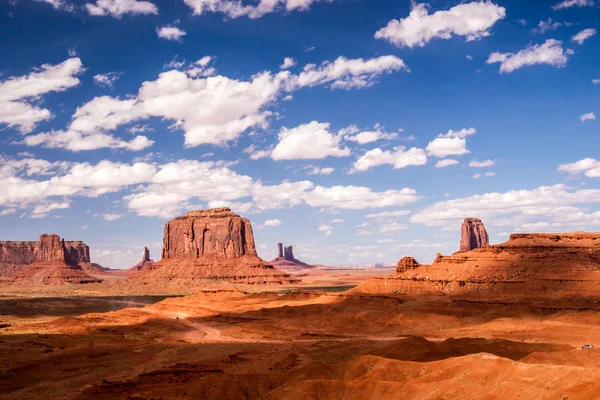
305	344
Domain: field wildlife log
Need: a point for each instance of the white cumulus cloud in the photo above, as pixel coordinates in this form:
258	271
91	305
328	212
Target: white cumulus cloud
118	8
169	32
17	93
471	20
586	117
550	52
399	157
583	35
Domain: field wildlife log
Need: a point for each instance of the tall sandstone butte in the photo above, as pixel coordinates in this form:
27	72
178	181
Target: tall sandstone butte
473	235
205	246
216	233
51	260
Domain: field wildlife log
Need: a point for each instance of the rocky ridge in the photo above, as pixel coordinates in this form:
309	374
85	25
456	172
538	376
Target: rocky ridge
527	264
51	261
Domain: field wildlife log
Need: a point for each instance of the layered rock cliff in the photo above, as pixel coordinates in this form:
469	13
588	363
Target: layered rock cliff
204	246
51	260
216	233
527	264
473	235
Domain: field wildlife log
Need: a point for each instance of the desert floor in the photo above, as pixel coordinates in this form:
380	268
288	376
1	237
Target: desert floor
301	345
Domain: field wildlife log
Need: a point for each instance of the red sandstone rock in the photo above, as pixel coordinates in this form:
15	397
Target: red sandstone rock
406	264
473	235
144	263
526	265
24	262
286	261
216	233
207	246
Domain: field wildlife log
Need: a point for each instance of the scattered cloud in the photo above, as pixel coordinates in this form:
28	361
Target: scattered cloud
553	202
107	80
230	106
446	163
472	20
573	3
399	157
589	166
481	164
235	9
551	53
583	35
388	214
353	134
170	32
118	8
447	146
479	175
272	223
319	171
309	141
288	62
111	217
18	93
549	25
587	117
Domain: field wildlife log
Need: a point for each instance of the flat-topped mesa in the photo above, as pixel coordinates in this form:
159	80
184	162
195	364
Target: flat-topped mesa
49	261
473	235
407	263
202	248
49	249
216	233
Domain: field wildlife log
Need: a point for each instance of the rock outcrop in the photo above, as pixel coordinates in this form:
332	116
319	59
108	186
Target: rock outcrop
216	233
286	261
528	264
51	260
202	247
144	263
407	263
473	235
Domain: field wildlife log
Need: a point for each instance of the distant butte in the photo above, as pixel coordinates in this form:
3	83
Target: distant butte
286	261
49	261
527	264
144	263
473	235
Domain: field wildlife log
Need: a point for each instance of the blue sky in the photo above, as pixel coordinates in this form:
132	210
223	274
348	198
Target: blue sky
357	131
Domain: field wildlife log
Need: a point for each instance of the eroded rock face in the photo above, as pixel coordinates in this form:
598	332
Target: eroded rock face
49	261
289	253
406	264
216	233
473	235
50	248
204	248
145	262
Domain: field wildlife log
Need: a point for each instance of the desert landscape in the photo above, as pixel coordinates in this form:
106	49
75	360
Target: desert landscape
299	199
490	321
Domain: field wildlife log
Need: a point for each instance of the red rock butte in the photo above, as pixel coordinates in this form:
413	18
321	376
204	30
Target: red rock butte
51	260
527	264
208	245
286	261
473	235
